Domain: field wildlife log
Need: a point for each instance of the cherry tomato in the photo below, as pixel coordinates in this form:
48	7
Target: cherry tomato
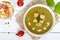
20	33
20	2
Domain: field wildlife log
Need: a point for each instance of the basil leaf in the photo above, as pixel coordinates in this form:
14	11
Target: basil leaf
57	8
50	3
38	18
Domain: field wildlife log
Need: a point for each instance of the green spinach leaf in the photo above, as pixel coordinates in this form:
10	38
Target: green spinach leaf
57	8
50	3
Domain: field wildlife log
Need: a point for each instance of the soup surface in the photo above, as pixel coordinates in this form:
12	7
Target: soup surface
38	20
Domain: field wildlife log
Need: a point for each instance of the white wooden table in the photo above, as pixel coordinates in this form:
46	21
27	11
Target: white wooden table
13	28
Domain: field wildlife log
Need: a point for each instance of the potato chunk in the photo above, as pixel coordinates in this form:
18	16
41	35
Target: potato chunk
48	23
35	20
36	14
42	16
29	23
41	21
39	30
38	24
33	28
44	28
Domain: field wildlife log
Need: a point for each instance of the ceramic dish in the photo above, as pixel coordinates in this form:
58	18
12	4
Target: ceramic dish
25	26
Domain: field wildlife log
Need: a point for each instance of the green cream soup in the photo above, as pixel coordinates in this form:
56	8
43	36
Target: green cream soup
38	20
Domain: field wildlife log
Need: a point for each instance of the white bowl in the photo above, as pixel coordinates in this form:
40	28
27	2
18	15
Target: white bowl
52	13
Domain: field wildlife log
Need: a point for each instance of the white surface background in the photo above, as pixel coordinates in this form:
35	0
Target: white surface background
53	35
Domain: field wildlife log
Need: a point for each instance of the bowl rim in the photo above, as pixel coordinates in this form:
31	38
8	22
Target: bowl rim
39	35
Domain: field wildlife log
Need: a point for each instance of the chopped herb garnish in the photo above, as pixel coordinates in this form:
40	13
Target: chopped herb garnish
38	18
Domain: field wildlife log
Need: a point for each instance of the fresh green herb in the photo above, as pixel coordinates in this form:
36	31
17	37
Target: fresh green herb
38	18
50	3
57	8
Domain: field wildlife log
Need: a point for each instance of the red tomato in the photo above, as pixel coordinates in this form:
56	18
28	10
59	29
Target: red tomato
20	2
20	33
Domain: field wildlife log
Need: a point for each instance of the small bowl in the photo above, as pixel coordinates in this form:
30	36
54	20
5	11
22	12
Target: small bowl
53	16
